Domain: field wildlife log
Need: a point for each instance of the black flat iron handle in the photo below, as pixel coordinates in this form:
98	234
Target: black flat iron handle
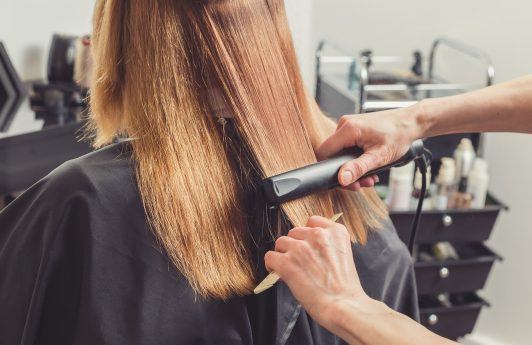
323	175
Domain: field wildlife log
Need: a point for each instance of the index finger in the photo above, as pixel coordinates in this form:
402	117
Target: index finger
341	139
319	222
300	232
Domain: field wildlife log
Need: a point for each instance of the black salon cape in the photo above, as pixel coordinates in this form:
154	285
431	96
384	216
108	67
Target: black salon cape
78	265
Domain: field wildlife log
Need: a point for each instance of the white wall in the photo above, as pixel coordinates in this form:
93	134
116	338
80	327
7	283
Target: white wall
502	29
26	29
300	16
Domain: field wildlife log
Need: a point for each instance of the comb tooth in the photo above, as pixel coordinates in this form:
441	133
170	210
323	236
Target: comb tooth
267	283
337	216
273	277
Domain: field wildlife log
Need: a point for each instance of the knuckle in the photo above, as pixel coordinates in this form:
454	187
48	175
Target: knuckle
351	124
372	156
349	164
358	168
288	258
351	188
367	182
343	120
269	260
303	247
342	232
378	157
321	238
296	229
371	159
313	220
280	241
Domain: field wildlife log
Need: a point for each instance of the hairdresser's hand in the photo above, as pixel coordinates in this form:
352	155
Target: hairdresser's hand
384	137
316	262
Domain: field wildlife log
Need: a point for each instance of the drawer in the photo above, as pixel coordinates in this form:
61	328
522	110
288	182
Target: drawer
451	321
468	273
453	225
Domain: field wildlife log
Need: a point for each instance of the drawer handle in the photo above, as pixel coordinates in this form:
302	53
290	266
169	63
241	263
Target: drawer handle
433	319
447	220
444	272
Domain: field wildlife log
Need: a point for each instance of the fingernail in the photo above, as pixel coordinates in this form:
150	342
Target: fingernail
347	177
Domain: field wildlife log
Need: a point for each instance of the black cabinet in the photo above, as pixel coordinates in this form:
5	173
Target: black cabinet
454	225
453	320
447	289
469	273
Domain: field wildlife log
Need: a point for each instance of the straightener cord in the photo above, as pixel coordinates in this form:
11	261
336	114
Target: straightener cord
422	166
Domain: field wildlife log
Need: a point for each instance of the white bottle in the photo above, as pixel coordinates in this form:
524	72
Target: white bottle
464	155
445	183
477	183
400	187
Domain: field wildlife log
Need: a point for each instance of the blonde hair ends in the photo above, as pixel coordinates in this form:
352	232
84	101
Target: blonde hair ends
154	62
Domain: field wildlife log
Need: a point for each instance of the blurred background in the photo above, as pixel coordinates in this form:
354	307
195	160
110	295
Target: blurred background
379	37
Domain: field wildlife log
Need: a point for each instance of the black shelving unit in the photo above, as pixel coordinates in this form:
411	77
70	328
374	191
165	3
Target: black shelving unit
447	290
458	280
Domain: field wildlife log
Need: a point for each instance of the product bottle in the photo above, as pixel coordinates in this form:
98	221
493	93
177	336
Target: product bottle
464	155
400	187
444	183
416	193
477	183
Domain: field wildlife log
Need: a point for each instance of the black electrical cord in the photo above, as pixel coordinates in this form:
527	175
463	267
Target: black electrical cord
422	164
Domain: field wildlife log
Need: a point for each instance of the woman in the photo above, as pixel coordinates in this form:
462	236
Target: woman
160	239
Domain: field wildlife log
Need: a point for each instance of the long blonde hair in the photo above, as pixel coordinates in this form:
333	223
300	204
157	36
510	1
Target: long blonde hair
154	62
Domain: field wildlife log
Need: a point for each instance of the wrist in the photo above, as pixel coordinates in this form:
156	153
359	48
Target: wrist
421	119
344	316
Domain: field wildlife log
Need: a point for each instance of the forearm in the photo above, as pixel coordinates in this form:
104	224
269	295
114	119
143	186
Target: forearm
505	107
373	323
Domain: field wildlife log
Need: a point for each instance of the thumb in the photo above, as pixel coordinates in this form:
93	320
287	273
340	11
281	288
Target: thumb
355	169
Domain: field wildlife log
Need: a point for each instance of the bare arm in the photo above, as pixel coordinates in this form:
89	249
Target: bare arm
385	136
505	107
376	324
316	262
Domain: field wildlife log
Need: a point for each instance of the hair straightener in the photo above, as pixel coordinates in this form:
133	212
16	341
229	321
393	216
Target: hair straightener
323	175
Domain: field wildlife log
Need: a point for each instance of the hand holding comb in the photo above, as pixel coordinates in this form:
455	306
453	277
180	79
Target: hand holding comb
273	277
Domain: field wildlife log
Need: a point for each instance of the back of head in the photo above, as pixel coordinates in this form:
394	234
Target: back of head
155	62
